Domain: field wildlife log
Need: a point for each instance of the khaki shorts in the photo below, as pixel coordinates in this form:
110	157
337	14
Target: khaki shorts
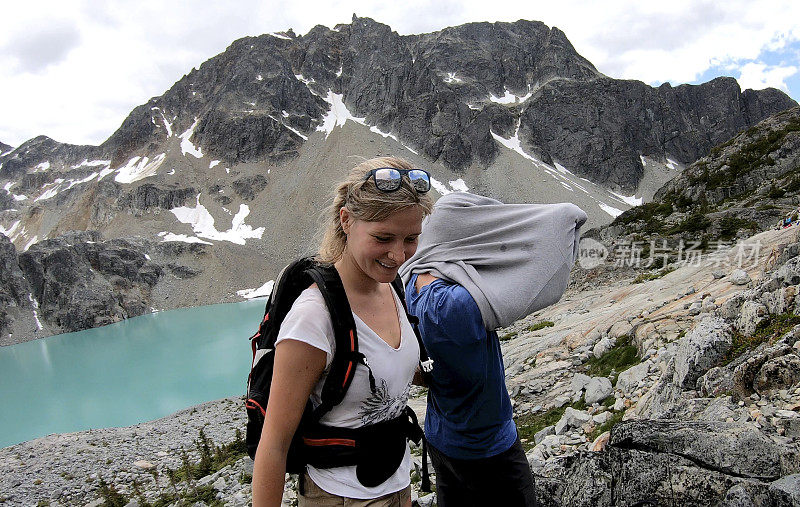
317	497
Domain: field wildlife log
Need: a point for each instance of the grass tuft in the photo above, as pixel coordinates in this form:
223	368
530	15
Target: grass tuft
618	359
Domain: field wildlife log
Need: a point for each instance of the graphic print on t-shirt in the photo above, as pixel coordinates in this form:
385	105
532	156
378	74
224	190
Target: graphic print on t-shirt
382	407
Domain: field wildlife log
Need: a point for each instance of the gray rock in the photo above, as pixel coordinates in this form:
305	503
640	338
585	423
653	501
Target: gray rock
579	381
82	282
789	273
601	418
746	494
751	314
598	389
716	381
747	367
628	380
704	346
603	346
219	484
148	196
786	490
777	373
739	277
539	436
571	419
426	500
730	448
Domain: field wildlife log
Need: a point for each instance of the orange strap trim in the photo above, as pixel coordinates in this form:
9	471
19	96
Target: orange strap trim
347	374
251	403
350	364
318	442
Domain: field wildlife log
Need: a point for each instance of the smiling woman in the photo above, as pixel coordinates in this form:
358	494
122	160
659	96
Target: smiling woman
371	229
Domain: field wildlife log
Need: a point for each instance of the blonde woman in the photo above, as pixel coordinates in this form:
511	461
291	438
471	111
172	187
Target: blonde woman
372	228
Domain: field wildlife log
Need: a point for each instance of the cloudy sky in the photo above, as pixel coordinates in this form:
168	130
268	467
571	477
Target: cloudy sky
73	69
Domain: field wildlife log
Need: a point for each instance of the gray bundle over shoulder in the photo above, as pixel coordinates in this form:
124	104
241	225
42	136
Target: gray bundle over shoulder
513	259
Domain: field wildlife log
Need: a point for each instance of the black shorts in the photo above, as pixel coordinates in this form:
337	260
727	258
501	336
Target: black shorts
504	479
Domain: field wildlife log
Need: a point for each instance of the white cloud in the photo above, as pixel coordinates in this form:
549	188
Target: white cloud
758	76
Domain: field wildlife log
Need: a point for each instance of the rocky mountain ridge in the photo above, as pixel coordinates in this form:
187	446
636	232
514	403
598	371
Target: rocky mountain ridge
508	110
445	94
745	185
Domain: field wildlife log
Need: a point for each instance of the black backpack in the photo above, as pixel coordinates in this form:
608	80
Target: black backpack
314	443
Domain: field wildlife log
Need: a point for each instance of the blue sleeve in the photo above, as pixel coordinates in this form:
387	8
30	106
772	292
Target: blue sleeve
449	314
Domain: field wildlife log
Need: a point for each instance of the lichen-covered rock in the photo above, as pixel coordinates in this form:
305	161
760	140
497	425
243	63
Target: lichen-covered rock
751	314
778	373
716	381
701	349
748	367
786	490
628	380
730	448
739	277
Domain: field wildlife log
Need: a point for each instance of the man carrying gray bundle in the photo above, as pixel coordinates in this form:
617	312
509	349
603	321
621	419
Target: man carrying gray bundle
482	264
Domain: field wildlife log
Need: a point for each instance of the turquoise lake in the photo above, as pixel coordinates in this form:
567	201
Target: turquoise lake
125	373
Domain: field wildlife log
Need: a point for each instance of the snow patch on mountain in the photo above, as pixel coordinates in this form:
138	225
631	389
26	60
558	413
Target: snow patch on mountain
138	168
186	145
567	178
183	238
203	224
167	124
458	185
92	163
42	167
338	114
16	197
10	231
35	305
509	98
629	200
305	137
614	212
30	243
452	78
263	291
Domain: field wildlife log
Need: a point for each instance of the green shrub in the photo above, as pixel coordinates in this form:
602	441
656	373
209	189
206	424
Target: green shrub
606	426
540	325
694	222
508	336
730	225
776	192
529	424
767	330
621	357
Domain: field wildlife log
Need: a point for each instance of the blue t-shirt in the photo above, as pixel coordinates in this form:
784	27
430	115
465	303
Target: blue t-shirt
469	412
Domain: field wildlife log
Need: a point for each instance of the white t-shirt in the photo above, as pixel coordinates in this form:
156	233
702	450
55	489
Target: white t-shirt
309	321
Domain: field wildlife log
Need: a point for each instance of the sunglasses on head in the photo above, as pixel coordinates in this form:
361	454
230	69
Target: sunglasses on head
388	179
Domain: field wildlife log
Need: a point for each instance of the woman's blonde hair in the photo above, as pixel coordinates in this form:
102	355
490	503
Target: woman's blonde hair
365	202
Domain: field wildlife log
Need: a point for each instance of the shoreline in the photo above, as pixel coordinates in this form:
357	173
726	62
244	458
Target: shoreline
65	469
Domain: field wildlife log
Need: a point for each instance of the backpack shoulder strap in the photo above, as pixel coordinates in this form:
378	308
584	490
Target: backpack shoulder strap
346	355
425	362
290	282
